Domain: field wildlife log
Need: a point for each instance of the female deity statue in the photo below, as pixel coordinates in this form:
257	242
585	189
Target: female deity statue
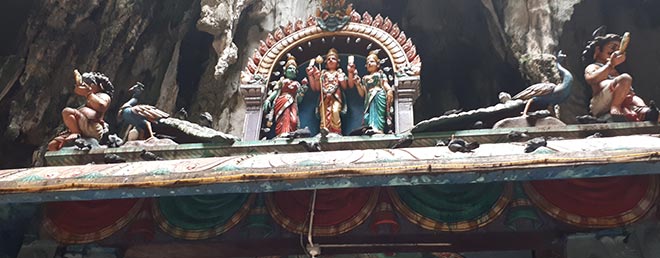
330	82
282	103
379	94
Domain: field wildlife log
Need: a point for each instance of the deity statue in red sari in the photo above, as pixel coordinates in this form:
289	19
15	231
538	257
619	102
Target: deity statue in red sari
281	106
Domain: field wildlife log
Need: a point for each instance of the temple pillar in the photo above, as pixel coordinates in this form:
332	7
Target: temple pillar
253	94
407	91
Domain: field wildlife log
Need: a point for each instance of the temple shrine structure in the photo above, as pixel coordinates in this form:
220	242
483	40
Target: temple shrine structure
332	164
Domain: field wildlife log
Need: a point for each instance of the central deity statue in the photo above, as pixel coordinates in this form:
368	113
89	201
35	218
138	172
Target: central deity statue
330	82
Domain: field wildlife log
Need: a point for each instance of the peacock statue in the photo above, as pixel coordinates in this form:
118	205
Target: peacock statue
548	94
140	116
148	119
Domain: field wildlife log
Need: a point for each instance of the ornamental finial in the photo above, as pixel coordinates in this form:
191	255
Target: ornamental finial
333	14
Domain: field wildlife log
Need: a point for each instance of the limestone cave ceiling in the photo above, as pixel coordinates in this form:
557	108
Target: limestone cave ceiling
190	53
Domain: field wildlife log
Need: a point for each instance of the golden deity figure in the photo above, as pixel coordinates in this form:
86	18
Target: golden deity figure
330	82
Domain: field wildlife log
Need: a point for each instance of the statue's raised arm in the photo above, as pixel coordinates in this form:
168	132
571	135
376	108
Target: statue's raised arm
314	73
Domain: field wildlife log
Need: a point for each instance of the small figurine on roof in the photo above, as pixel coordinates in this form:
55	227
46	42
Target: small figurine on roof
546	93
140	116
613	93
86	121
146	119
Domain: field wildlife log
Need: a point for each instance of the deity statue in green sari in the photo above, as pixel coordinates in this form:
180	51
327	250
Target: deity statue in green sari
377	92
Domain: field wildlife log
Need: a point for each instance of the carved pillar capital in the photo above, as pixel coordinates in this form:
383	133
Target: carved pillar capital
407	91
408	87
253	94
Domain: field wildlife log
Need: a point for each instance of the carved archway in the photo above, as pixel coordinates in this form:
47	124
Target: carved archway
299	38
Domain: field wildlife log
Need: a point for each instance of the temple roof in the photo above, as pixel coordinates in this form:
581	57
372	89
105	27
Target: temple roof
267	167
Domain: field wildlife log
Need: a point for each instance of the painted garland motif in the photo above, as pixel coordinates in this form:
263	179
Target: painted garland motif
595	203
203	216
88	221
453	208
337	211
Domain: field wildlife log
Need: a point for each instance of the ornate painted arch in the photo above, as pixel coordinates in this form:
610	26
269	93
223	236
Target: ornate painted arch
377	32
388	36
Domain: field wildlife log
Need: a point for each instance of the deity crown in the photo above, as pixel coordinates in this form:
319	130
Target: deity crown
291	61
332	52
